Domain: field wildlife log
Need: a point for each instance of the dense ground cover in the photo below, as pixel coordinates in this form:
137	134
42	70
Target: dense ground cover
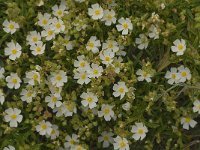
99	74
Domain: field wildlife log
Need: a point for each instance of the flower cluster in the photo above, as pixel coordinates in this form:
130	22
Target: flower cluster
84	75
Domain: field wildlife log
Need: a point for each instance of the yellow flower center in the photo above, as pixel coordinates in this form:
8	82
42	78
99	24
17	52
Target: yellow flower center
145	74
198	106
54	99
105	138
90	99
50	33
11	26
79	148
106	111
53	131
59	12
82	64
95	72
43	126
58	78
173	76
13	116
183	74
125	25
180	47
109	17
110	45
38	49
122	144
35	77
58	25
97	12
35	39
107	58
29	94
14	51
14	81
140	131
44	22
83	76
121	90
187	120
72	142
91	45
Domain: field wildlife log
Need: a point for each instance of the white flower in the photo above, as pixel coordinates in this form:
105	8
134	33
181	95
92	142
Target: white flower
142	41
54	90
81	63
93	44
120	89
106	112
44	128
106	138
111	3
77	147
48	33
139	131
2	97
82	76
184	73
58	78
10	26
96	12
124	25
172	75
13	81
153	32
188	122
58	111
9	147
155	17
54	132
27	95
80	1
13	50
121	143
59	11
13	116
40	3
2	71
67	109
38	48
57	25
53	101
107	56
196	107
95	71
126	106
109	17
32	77
44	20
71	140
33	37
67	43
162	6
111	45
89	99
117	64
121	51
143	75
179	47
